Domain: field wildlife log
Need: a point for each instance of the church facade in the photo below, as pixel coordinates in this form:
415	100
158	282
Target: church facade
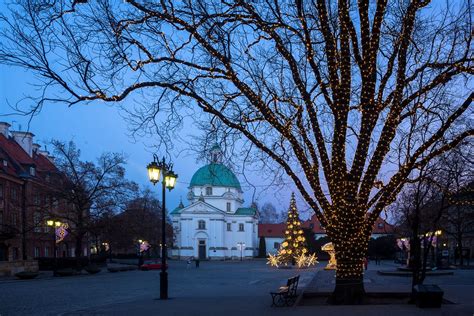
215	224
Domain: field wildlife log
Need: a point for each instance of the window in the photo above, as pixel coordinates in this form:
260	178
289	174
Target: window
276	245
241	227
208	191
14	194
229	227
201	224
37	222
46	251
5	163
228	207
32	171
37	252
380	225
14	219
15	253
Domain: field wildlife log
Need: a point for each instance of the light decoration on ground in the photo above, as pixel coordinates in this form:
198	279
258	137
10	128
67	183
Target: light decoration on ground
329	248
273	260
293	248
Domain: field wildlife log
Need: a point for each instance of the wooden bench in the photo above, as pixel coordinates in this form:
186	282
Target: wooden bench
286	295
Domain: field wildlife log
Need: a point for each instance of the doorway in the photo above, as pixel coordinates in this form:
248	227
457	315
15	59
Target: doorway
3	252
202	250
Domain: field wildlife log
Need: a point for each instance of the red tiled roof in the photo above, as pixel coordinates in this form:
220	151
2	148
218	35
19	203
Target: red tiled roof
382	227
271	230
278	230
14	151
43	163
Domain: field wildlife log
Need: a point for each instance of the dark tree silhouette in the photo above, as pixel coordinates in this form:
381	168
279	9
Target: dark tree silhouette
329	91
90	189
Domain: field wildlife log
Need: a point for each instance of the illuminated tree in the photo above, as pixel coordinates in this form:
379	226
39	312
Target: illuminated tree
330	91
294	245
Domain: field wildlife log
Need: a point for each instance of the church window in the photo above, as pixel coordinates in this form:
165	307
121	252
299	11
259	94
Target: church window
201	224
241	227
229	227
228	207
208	191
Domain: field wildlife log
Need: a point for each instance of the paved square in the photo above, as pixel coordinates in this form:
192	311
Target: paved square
216	288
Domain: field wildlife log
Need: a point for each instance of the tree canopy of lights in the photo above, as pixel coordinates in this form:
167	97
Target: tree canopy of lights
348	98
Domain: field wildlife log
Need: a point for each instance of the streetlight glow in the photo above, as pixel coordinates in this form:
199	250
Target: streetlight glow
170	180
154	172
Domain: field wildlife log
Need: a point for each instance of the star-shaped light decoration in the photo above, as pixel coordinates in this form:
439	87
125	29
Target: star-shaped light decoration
273	260
311	260
301	261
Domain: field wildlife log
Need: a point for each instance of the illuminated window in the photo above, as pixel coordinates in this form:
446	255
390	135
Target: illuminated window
201	224
241	227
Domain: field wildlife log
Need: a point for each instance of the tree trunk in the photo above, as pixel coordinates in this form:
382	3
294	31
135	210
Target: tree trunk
349	287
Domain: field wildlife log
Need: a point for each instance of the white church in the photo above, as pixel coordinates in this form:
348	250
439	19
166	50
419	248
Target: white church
214	225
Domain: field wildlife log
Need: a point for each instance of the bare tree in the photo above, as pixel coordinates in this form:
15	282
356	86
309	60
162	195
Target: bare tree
458	176
269	214
90	189
328	91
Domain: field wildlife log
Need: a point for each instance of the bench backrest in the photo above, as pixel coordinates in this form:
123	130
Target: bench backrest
292	284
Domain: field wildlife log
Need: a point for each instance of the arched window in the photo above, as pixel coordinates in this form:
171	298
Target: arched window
201	224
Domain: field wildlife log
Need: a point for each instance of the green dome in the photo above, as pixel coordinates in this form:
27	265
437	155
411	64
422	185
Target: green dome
215	174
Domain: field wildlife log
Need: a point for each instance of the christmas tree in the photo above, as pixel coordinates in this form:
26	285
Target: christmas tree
293	249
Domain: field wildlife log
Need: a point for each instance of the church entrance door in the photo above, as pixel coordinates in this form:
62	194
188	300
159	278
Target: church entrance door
202	250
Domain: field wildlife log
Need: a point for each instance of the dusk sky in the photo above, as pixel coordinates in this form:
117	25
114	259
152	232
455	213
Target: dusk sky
99	127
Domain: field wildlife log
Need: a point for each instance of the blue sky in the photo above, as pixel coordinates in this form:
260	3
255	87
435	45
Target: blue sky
99	127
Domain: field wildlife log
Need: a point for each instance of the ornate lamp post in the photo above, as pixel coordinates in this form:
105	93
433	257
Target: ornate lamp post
54	224
155	169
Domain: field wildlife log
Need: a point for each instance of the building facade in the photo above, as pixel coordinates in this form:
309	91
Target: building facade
274	234
26	203
215	224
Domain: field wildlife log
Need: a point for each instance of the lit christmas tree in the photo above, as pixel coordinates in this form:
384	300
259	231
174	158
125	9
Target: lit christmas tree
293	249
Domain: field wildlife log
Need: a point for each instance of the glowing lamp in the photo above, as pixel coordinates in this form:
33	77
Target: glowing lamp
170	180
154	171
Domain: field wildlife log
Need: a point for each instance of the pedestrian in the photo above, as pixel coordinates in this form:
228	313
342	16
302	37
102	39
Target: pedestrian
188	265
196	261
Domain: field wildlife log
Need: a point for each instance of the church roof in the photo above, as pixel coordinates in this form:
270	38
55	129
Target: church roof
245	211
215	174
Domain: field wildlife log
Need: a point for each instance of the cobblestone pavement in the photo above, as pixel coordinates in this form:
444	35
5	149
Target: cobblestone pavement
216	288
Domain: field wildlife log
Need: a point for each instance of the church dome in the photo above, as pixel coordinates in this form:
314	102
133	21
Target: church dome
215	174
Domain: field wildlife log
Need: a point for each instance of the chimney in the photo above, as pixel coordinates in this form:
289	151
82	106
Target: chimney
4	128
36	148
25	140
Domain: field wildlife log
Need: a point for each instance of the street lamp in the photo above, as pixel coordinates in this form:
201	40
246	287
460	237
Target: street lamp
54	224
157	168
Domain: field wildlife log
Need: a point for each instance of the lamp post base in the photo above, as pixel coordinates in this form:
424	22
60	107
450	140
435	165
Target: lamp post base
163	285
